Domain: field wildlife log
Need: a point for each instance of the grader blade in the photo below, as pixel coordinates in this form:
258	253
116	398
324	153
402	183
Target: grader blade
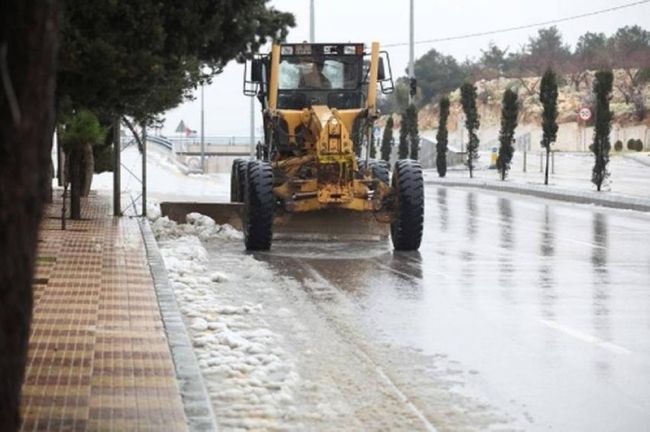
325	225
330	225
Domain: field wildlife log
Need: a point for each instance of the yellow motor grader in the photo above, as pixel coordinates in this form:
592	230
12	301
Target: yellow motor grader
319	104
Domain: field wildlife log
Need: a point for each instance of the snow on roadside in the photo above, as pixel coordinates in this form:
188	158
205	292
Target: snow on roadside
572	171
250	378
165	179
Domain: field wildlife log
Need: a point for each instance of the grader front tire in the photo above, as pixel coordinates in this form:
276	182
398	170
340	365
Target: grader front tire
408	184
258	206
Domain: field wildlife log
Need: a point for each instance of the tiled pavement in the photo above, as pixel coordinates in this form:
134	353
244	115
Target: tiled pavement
98	354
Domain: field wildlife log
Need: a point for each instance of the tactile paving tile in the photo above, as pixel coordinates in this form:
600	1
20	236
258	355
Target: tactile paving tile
98	354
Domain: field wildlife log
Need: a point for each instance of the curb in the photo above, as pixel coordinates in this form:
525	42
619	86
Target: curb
196	402
580	197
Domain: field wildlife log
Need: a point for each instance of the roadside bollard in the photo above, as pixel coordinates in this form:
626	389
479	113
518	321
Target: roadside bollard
524	160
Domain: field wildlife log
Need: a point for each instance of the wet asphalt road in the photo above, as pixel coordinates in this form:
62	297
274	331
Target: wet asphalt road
533	314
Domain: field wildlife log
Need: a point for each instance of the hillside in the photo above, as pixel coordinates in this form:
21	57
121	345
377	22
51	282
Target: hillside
570	101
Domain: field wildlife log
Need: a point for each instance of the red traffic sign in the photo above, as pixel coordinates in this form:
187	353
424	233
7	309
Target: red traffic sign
585	113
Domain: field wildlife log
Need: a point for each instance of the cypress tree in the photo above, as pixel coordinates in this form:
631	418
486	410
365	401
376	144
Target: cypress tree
373	147
472	123
602	126
509	112
414	134
441	137
548	97
387	140
403	149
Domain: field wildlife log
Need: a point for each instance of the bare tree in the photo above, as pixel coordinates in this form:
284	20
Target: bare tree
630	48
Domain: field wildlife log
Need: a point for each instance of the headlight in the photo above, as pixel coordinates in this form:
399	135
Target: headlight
286	50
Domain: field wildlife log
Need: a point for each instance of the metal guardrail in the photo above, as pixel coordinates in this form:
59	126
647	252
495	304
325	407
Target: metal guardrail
212	140
161	141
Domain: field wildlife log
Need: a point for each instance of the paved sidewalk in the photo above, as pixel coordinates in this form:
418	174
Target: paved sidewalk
98	354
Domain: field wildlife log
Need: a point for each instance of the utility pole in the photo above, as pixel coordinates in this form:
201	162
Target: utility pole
411	55
144	169
117	168
312	25
202	130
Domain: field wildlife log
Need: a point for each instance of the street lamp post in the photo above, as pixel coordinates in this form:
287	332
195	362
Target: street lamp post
411	51
312	29
202	129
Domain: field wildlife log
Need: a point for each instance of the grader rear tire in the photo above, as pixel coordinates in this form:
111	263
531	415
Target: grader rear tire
258	206
237	178
380	170
408	184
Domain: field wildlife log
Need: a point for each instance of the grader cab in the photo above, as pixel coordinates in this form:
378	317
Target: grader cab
319	104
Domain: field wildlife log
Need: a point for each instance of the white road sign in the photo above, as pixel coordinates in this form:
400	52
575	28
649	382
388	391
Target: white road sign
585	113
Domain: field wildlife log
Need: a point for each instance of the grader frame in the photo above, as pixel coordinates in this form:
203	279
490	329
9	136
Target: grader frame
319	105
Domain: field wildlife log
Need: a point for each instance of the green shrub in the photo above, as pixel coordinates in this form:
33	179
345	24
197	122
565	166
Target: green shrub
639	145
631	144
618	145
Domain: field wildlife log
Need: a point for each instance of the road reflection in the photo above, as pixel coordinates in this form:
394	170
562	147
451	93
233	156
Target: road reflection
548	294
407	266
472	214
467	254
506	246
443	209
601	285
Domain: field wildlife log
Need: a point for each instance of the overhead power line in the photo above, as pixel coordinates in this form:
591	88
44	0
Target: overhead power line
521	27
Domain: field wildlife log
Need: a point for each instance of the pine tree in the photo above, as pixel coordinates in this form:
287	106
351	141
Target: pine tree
82	131
387	140
414	134
472	123
441	138
602	127
548	97
509	112
403	149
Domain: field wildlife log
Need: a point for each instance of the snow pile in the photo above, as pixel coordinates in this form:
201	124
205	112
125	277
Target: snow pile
197	225
250	378
205	228
153	209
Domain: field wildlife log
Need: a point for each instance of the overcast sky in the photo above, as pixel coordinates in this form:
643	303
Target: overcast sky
227	111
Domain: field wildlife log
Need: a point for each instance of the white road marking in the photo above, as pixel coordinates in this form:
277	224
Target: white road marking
617	349
583	243
406	275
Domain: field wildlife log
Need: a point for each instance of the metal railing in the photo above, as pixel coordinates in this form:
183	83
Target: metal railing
211	140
